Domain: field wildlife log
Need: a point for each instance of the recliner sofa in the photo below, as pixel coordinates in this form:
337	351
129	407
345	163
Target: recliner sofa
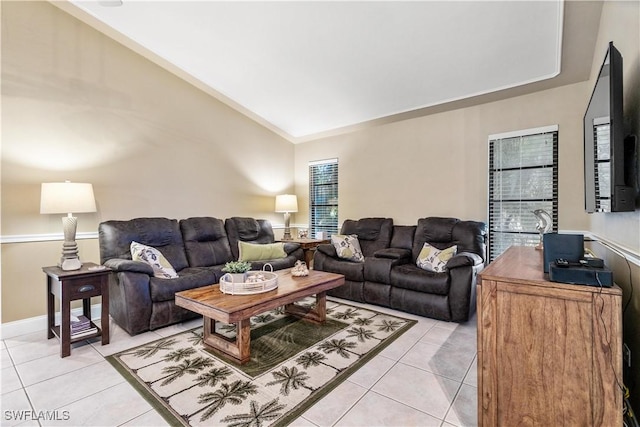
197	249
390	277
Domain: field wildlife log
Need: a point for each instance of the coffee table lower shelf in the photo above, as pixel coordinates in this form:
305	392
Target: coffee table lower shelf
239	349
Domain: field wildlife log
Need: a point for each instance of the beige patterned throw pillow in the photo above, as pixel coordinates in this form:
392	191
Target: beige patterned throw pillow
162	268
347	247
434	259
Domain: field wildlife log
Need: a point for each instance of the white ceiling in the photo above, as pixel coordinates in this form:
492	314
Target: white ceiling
308	68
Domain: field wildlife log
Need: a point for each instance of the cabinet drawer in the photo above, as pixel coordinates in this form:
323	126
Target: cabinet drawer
79	288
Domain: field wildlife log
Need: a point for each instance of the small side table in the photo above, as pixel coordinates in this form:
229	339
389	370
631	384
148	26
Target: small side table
91	280
308	247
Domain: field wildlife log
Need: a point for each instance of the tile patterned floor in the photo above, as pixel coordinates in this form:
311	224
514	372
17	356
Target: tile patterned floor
427	377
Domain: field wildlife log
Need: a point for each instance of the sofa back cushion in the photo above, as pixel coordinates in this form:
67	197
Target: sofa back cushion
403	236
468	236
373	233
205	241
247	230
115	239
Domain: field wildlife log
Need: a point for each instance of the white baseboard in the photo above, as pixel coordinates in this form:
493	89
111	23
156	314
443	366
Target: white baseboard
39	323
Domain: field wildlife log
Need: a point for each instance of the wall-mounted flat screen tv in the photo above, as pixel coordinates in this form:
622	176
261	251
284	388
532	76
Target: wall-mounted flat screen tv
605	177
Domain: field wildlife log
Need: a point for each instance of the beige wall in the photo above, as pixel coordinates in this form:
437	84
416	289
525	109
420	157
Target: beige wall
437	165
77	105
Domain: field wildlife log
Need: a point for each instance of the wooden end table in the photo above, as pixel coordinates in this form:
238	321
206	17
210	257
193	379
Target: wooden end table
308	247
91	280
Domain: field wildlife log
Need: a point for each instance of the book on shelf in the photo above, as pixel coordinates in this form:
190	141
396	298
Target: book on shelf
84	333
79	323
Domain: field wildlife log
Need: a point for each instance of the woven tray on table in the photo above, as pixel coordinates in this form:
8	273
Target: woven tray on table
255	282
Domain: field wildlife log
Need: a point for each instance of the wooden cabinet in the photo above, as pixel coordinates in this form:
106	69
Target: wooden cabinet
549	354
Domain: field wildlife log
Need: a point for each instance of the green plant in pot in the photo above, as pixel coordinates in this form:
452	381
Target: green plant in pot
237	270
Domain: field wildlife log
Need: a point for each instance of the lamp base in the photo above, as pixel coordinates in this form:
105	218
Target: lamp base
70	259
68	264
287	229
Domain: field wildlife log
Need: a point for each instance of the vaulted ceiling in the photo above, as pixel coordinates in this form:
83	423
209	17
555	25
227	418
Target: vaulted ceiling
311	69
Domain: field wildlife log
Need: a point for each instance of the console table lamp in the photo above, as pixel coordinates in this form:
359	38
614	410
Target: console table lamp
286	203
67	197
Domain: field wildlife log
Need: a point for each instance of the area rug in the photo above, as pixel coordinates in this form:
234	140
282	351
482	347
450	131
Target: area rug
293	364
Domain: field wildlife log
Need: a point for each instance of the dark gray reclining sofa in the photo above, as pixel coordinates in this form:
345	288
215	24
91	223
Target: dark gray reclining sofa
390	277
197	248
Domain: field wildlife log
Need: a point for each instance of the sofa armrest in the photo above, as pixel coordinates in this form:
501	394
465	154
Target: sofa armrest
328	250
378	270
130	302
462	290
291	247
120	265
393	253
464	259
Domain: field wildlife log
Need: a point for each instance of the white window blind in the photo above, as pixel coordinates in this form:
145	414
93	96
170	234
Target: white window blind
523	177
323	196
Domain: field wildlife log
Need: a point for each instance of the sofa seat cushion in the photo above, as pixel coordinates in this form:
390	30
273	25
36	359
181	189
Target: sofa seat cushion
412	277
189	278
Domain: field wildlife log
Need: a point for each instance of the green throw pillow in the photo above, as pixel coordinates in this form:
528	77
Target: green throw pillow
260	252
434	259
162	268
347	247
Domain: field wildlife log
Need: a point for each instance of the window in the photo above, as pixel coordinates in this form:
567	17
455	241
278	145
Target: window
523	177
323	197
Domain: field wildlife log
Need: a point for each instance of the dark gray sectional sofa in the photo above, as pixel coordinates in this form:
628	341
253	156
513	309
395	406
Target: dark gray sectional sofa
390	277
197	248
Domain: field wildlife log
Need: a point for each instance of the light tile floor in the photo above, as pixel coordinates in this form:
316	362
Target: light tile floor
427	377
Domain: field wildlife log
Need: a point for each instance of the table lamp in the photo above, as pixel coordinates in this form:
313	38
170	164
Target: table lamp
67	197
286	203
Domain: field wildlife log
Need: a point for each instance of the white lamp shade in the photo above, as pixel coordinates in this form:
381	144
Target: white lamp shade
66	197
286	203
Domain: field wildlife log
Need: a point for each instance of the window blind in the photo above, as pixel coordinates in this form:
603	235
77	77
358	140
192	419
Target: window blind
523	177
323	196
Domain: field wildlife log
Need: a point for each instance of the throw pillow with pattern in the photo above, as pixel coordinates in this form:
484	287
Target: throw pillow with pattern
347	247
162	268
434	259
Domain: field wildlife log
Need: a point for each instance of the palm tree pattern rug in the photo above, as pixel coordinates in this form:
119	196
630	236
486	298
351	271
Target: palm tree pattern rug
293	364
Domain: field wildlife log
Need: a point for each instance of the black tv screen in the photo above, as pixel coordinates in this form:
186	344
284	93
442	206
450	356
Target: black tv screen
606	189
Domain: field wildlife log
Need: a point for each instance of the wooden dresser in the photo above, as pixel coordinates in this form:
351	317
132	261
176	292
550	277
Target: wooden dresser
549	354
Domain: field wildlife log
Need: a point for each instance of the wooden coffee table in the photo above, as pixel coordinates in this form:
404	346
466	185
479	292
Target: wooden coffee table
215	305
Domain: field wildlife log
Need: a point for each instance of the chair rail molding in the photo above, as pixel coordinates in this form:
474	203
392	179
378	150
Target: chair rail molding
29	238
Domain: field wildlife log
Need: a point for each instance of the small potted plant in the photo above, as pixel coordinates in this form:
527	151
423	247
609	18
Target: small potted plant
237	270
